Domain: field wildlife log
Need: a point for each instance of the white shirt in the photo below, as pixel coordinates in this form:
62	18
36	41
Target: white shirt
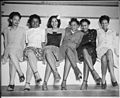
105	39
34	37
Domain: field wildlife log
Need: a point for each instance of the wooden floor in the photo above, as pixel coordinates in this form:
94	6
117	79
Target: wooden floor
73	90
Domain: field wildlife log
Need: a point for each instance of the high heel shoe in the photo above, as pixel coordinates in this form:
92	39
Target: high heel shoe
11	87
63	85
103	86
22	78
114	84
44	86
27	88
97	79
37	80
84	85
78	73
56	77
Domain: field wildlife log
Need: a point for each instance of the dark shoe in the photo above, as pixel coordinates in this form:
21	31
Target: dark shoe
78	73
11	87
56	77
114	84
98	81
37	80
27	88
84	85
44	86
63	85
22	78
103	86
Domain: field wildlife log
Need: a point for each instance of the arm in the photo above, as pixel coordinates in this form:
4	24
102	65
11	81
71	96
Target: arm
63	35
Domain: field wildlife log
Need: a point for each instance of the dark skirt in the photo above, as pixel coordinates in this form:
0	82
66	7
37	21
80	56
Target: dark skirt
91	52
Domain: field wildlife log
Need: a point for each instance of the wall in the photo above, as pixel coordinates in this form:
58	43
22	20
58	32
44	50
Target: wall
66	12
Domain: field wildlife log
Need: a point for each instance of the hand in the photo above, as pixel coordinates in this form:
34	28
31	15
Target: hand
3	61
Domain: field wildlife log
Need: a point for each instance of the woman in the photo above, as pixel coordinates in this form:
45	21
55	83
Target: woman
35	37
54	37
105	50
71	40
87	52
14	37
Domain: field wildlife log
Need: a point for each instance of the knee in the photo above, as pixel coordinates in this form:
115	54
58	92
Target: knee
47	52
85	52
68	50
30	53
109	53
103	59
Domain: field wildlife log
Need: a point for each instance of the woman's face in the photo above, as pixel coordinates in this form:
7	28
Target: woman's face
35	23
54	23
84	26
104	24
15	20
74	26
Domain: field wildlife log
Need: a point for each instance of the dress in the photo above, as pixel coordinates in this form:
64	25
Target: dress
34	39
88	42
15	42
105	41
71	40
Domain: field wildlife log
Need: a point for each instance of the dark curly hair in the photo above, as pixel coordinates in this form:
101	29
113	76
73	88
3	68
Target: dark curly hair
74	20
104	17
29	22
12	14
84	20
50	19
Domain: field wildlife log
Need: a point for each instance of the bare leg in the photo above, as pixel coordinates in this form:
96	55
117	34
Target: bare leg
12	73
46	77
72	59
67	67
88	61
32	60
29	75
109	55
50	58
16	64
85	76
103	67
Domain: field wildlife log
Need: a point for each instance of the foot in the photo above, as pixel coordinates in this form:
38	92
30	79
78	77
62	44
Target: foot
44	86
37	77
63	85
98	81
27	86
84	85
21	78
104	85
56	78
78	73
114	84
11	87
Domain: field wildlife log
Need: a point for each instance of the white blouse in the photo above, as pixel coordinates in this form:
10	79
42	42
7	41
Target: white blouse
34	37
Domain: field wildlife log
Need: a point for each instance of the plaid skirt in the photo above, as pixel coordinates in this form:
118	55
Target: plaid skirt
37	51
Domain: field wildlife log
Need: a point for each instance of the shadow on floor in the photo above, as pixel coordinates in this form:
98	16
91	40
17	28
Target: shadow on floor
72	90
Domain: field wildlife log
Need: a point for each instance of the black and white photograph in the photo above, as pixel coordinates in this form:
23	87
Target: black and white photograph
60	48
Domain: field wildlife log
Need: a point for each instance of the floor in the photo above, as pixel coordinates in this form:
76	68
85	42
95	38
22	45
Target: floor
73	90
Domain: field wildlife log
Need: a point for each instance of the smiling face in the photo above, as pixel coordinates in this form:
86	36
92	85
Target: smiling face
54	23
15	20
35	23
84	26
104	24
74	26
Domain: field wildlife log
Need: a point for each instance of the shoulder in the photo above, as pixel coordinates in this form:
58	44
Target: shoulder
5	30
61	30
48	30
